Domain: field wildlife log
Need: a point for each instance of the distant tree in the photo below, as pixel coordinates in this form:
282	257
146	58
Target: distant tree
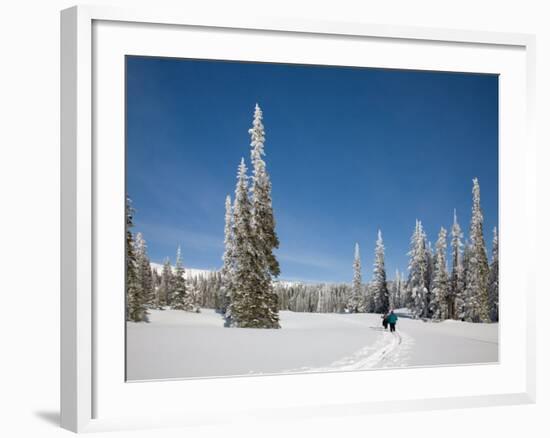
379	285
370	298
455	301
477	291
429	296
193	299
180	298
418	281
165	289
355	303
323	299
462	298
156	286
144	273
394	291
397	291
439	303
136	310
493	279
228	269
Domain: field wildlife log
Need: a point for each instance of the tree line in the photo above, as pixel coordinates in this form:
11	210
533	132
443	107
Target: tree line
469	291
145	287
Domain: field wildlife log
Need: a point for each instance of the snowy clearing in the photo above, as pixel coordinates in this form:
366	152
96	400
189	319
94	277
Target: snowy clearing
178	344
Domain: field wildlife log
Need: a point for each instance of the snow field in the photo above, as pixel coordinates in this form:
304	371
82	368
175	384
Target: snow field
179	344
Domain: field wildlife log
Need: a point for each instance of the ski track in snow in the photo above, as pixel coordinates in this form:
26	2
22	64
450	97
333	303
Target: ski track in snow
389	351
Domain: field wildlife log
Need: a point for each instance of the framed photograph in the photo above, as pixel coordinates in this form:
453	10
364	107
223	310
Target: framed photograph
283	219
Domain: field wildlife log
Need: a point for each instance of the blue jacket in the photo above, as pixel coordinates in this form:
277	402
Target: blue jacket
392	318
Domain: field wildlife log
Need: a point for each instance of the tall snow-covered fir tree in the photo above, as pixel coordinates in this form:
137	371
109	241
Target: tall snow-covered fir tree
135	297
439	303
165	289
355	302
251	302
455	301
493	279
144	273
263	220
477	290
228	260
379	284
180	299
418	281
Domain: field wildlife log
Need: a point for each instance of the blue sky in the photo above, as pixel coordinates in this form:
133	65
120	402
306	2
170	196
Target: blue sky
349	150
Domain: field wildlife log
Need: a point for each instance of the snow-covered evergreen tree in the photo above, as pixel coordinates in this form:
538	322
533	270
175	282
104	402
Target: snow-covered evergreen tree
251	296
477	290
228	260
379	284
493	279
144	273
355	302
180	298
439	304
166	283
193	298
418	281
456	281
135	297
263	221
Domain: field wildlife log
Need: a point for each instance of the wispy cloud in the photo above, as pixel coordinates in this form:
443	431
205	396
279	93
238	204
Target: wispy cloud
312	260
207	197
187	238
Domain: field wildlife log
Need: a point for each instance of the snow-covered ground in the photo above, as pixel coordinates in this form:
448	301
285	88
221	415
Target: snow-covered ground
178	344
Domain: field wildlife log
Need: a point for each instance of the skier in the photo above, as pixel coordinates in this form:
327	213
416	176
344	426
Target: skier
385	320
392	320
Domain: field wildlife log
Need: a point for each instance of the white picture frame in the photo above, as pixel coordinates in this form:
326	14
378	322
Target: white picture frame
93	396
